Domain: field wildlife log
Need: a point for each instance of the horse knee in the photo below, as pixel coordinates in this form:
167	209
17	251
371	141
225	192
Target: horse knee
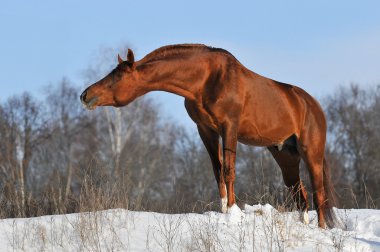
229	174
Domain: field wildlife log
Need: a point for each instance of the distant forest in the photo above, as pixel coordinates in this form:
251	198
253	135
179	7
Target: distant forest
56	157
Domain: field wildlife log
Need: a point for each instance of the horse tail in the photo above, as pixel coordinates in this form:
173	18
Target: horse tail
332	219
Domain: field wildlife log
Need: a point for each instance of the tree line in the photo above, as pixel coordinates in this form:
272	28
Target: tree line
56	157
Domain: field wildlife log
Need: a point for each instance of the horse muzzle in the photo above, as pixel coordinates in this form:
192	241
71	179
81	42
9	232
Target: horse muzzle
83	96
88	103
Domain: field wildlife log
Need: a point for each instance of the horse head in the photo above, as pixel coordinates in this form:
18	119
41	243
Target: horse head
116	89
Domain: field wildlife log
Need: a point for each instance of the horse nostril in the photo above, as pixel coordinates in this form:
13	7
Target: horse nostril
83	96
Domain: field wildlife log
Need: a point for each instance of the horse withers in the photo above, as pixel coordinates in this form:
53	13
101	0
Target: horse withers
227	100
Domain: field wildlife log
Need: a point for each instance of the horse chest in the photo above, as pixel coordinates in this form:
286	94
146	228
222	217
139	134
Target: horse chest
200	115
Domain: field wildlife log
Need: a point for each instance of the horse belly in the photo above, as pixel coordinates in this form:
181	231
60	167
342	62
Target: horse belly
264	135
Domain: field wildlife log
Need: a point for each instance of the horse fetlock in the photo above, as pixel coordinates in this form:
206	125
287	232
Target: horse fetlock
223	205
222	190
304	216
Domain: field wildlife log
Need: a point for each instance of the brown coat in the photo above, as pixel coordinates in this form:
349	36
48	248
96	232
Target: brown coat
227	100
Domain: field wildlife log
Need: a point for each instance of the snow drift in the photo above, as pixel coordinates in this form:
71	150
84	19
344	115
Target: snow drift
257	228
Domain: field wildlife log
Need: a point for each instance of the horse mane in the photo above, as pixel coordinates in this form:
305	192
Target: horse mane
180	50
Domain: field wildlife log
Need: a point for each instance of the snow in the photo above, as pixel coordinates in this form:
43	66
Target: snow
258	227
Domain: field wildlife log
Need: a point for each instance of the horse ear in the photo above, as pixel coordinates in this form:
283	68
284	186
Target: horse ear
119	59
130	57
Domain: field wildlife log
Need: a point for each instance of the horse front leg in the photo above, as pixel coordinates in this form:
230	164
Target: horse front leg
211	141
229	137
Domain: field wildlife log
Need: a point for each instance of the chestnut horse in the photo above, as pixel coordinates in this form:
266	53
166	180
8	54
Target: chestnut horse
227	100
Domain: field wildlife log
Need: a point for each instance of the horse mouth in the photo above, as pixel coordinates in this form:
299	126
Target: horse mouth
91	104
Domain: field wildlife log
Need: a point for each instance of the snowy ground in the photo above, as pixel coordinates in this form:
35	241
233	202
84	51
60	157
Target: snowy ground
257	228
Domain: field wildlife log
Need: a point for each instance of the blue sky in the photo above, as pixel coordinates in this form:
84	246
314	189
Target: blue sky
316	45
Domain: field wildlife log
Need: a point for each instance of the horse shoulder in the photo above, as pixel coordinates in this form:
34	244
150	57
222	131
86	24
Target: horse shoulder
199	114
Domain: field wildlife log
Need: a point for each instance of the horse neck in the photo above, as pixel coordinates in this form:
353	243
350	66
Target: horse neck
174	76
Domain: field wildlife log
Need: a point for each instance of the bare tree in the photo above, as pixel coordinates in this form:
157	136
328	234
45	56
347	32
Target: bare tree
23	119
354	116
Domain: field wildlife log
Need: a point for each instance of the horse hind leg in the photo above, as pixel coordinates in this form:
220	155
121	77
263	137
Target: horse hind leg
313	155
289	159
